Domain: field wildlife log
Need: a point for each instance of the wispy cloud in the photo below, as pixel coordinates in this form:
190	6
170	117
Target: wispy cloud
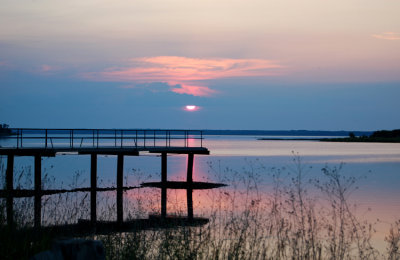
45	68
201	91
5	64
185	75
392	36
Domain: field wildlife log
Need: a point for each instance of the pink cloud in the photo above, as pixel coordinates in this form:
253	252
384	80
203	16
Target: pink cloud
392	36
48	68
194	90
183	74
5	64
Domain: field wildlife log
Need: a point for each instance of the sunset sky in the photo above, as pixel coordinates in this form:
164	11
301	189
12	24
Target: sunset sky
268	65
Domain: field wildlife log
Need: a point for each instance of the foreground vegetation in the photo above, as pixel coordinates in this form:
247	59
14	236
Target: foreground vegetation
298	218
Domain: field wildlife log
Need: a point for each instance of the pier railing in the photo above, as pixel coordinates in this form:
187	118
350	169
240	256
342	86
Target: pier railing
101	138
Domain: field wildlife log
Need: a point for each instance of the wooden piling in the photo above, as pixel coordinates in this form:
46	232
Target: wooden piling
38	192
189	191
164	188
10	188
93	187
120	169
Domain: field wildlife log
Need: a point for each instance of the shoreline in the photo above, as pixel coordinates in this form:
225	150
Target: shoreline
341	140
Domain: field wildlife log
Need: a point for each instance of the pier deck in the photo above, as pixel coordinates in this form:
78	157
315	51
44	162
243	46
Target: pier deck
132	151
120	142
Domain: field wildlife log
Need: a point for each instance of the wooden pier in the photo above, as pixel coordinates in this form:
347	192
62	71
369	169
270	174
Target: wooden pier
40	143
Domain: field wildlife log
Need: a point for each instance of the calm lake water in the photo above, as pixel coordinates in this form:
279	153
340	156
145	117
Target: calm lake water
377	165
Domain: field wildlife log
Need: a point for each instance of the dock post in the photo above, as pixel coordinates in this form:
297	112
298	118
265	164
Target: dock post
10	188
93	188
164	185
120	169
38	192
189	191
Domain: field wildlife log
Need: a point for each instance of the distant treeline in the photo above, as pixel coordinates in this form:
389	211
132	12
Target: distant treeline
382	136
4	130
286	132
386	134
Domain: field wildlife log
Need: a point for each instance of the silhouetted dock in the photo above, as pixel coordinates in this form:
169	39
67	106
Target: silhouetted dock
119	142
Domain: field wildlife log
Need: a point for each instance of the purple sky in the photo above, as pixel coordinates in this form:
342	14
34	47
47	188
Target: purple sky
318	65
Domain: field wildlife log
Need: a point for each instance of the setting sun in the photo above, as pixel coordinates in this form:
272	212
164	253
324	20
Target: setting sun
191	108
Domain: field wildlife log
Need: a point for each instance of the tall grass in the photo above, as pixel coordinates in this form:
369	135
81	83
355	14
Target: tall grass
292	217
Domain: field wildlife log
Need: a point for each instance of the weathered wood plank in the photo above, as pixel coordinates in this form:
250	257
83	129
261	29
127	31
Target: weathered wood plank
120	176
183	185
164	188
10	187
93	187
38	192
189	191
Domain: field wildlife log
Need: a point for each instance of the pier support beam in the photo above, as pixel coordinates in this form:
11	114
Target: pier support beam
10	188
93	188
120	176
189	191
38	192
164	183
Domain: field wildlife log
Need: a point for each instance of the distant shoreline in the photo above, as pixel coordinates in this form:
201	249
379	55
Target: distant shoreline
289	139
205	132
305	133
337	140
382	136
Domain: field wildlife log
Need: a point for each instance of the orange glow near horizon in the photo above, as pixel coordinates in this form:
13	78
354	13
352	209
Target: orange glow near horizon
391	36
